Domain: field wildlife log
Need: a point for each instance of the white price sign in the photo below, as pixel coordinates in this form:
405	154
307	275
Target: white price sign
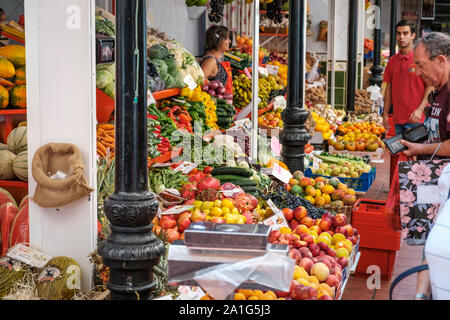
189	81
29	256
176	210
271	69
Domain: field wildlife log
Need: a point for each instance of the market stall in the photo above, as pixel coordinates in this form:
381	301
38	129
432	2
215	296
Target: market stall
214	170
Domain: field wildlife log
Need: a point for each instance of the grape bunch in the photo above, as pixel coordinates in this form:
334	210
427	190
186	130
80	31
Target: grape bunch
274	10
216	13
284	199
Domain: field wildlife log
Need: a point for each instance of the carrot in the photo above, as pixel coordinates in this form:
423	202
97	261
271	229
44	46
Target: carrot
100	152
101	147
107	138
106	126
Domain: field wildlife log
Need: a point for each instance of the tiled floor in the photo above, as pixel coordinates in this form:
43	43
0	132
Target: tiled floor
408	256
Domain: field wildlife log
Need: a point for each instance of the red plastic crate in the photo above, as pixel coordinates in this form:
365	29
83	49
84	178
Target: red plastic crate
384	259
368	218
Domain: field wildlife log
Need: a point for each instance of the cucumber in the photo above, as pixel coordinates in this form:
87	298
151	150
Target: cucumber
232	171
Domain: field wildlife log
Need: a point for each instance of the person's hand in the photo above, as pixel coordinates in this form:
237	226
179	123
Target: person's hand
386	122
416	116
413	148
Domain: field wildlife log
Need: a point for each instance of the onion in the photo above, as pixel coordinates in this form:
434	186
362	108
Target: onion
212	93
213	85
230	102
205	88
219	96
220	84
227	96
220	90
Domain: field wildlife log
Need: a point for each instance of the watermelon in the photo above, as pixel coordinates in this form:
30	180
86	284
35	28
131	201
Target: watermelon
6	168
23	202
5	196
20	228
8	211
17	140
20	166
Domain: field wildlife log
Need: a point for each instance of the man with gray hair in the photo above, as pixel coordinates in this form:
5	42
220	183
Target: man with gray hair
432	59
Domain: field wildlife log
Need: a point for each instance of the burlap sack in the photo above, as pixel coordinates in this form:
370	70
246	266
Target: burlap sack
47	161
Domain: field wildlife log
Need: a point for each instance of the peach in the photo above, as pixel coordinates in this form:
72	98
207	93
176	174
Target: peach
293	224
301	229
315	249
307	264
307	221
306	253
350	230
353	239
307	237
330	259
332	281
343	261
323	246
300	213
316	228
320	270
325	224
300	244
288	214
342	230
331	252
301	292
315	260
325	261
295	255
341	220
274	235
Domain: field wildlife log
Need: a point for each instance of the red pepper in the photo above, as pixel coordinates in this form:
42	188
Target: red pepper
185	119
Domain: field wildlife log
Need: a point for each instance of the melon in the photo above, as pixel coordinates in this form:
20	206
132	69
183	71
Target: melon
14	53
21	77
3	146
18	97
6	168
4	97
23	202
17	140
59	280
8	211
11	271
20	228
7	69
5	196
20	166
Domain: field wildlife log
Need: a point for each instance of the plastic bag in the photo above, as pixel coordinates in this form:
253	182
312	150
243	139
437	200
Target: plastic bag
313	75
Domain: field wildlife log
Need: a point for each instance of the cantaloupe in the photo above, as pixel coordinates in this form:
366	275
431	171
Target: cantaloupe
5	196
8	211
11	271
20	166
4	97
6	167
14	53
17	140
20	228
7	69
18	97
59	280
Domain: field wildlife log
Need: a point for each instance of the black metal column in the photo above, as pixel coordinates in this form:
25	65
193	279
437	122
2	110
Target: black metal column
132	249
352	60
377	69
393	38
294	137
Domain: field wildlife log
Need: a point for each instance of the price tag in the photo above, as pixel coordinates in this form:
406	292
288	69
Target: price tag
186	167
279	103
263	72
277	220
189	81
29	256
162	165
177	210
281	174
271	69
150	98
247	73
190	293
316	162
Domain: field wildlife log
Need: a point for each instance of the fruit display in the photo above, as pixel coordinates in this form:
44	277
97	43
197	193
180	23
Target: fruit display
242	91
282	70
358	137
340	167
280	57
328	112
271	119
323	126
316	95
13	93
368	117
322	191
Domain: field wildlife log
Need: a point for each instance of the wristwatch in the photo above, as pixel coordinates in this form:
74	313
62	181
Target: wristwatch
422	296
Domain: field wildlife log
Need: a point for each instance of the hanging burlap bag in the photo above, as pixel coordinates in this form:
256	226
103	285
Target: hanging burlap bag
58	171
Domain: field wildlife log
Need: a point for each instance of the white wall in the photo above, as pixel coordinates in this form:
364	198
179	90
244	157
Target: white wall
170	16
318	11
13	8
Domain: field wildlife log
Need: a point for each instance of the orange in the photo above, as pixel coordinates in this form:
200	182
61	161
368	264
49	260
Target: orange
272	294
239	296
253	298
246	292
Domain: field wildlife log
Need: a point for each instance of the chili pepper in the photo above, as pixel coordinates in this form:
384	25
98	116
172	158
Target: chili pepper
184	119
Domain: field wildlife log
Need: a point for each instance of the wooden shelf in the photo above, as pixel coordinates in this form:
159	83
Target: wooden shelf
274	34
13	37
13	183
13	111
166	94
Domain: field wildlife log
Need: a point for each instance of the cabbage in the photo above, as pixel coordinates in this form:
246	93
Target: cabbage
158	51
110	90
161	66
104	78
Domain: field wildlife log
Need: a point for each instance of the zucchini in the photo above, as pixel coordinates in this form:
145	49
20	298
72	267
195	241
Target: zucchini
222	171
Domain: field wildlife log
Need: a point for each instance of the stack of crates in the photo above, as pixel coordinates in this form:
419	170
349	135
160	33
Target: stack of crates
379	244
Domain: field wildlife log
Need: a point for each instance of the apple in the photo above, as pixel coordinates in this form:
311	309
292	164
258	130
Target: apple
198	216
307	221
332	281
293	285
291	237
282	294
307	264
300	244
300	213
340	220
274	235
321	254
305	252
315	249
331	260
307	237
296	255
343	261
325	224
293	224
327	215
288	214
323	246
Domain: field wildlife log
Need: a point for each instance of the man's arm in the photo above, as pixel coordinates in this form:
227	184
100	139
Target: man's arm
416	116
418	149
387	105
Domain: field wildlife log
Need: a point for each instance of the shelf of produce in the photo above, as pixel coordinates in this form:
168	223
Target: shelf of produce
274	34
13	111
166	94
13	37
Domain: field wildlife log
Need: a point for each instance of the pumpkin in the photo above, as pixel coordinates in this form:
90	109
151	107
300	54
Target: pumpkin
21	77
14	53
59	279
4	97
11	271
7	69
6	160
18	96
17	140
20	166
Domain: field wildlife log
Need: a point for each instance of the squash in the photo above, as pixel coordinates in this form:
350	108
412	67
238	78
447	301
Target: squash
7	69
14	53
21	77
6	160
11	271
59	280
20	166
17	140
4	97
18	97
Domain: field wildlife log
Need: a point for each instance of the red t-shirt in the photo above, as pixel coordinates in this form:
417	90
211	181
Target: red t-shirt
408	89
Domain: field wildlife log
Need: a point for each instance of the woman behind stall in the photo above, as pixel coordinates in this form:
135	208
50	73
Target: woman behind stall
218	40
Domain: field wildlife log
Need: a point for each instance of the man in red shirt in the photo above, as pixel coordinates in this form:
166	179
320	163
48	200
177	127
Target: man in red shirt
405	89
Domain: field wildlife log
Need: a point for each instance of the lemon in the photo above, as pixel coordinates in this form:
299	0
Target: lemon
285	230
338	237
198	204
241	220
217	203
216	212
342	252
207	205
226	210
206	212
227	203
235	211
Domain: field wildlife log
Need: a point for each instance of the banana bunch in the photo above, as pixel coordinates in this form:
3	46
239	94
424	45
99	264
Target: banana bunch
242	91
264	92
197	3
275	82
